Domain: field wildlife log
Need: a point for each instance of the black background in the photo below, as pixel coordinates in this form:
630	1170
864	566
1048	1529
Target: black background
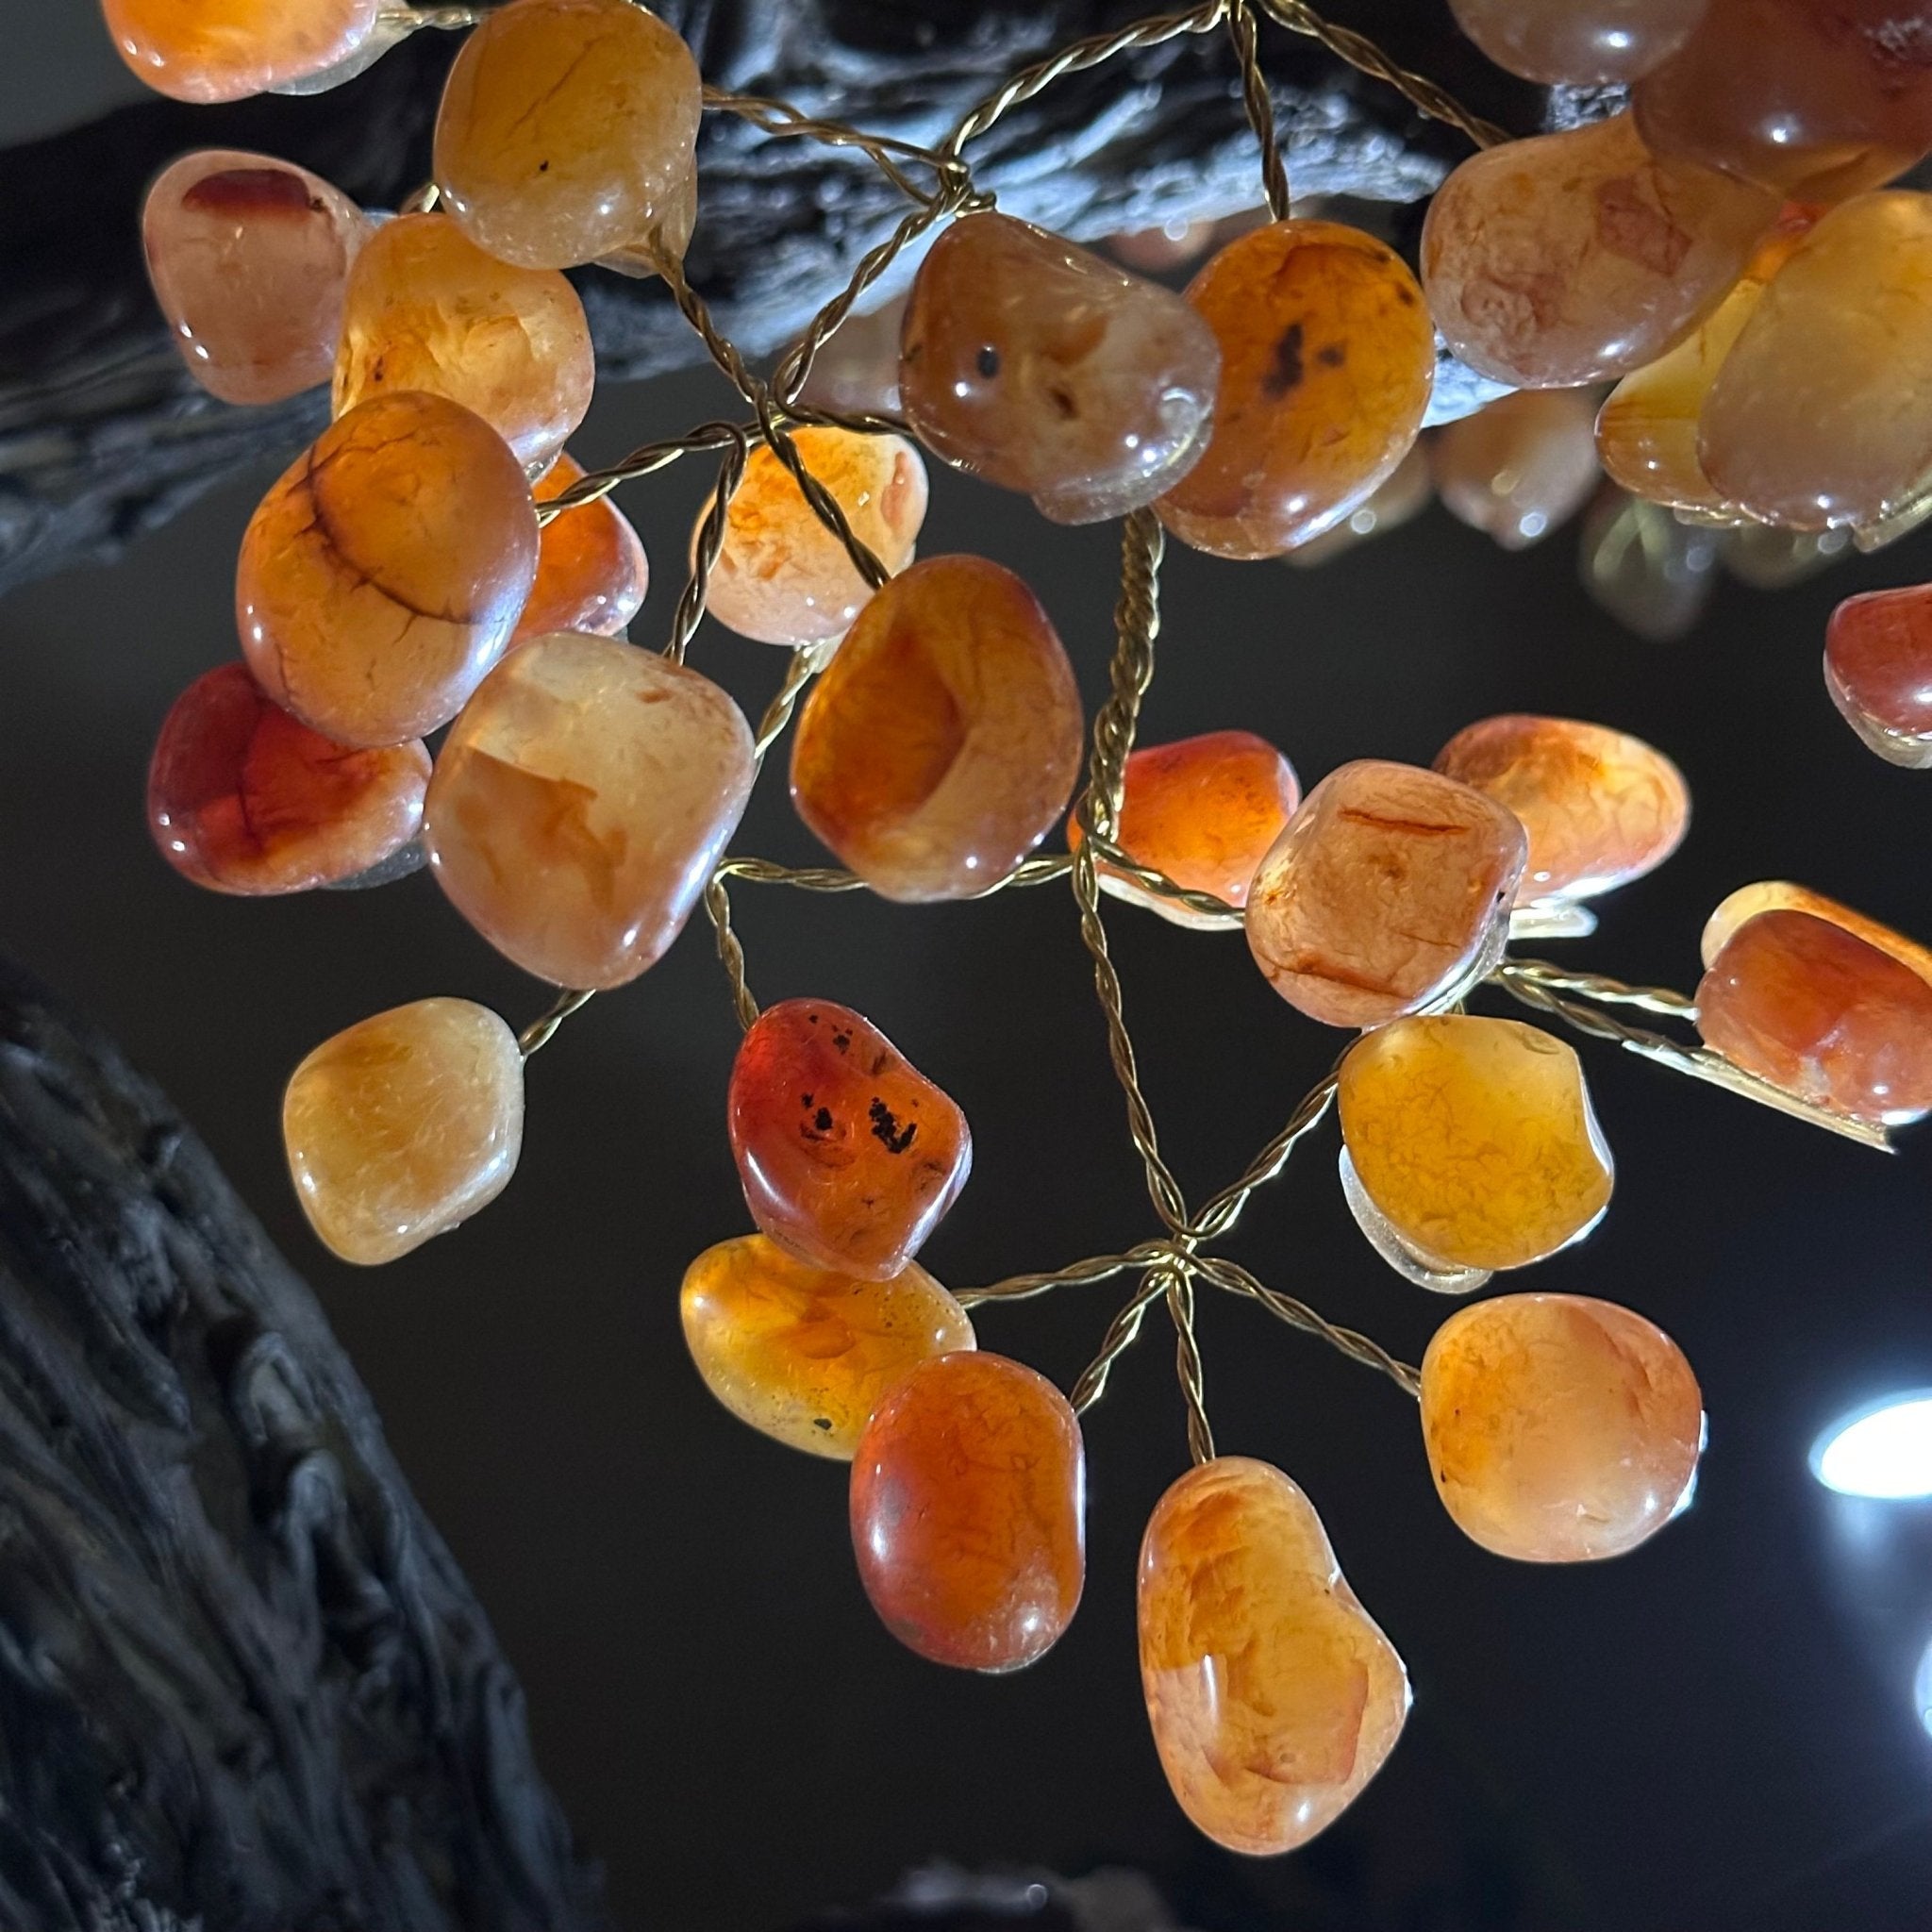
1718	1732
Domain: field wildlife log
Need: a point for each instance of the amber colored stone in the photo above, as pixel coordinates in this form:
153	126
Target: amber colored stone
939	746
1652	573
1600	808
1204	811
1773	560
580	802
856	372
1822	1013
244	799
969	1508
1390	890
249	256
1521	468
403	1126
427	309
1409	490
223	50
1578	42
782	576
1327	360
1878	670
592	571
1559	1429
382	575
805	1355
1781	895
1273	1695
1049	370
1817	99
1822	412
1474	1137
568	130
1578	256
849	1156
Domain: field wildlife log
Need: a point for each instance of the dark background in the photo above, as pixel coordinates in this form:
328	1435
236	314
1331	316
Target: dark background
1717	1732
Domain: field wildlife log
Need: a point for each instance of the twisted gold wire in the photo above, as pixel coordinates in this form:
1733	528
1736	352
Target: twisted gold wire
1259	104
1179	1289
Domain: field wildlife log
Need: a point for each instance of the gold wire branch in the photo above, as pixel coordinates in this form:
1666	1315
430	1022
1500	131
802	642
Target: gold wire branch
1259	104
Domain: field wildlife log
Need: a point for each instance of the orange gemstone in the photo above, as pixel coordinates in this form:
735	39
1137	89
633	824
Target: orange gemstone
938	748
223	50
592	571
1577	256
969	1512
1048	370
244	799
427	309
1408	492
782	576
1780	896
1559	1429
856	372
1521	468
249	256
1203	810
568	130
1600	808
1273	1695
1390	890
1327	360
380	578
1822	1013
849	1156
1878	670
580	802
805	1355
1578	42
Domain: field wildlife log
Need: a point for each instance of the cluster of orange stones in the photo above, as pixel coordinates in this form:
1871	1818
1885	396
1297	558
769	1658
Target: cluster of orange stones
432	562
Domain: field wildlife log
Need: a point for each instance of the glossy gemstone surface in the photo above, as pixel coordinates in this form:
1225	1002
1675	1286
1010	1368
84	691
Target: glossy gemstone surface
224	50
939	746
1781	895
249	256
403	1126
1578	42
782	576
1327	360
1388	890
568	130
1878	670
1823	1013
382	575
1521	468
244	799
1273	1695
427	309
1046	369
805	1355
1600	808
849	1156
1573	257
580	802
969	1512
592	571
1560	1428
1475	1139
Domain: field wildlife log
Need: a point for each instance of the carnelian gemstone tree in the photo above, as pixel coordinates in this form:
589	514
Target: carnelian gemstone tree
969	1512
849	1156
223	50
591	570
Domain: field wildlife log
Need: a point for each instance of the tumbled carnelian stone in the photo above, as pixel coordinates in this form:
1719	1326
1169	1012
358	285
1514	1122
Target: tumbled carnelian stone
1558	1428
1573	257
969	1512
1600	808
1390	890
1520	467
1203	810
244	799
1878	670
1781	895
427	309
1273	1695
403	1126
580	802
223	50
849	1156
781	575
1578	42
1475	1139
591	570
382	575
249	256
805	1355
1823	1013
1047	369
568	130
1327	360
940	745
